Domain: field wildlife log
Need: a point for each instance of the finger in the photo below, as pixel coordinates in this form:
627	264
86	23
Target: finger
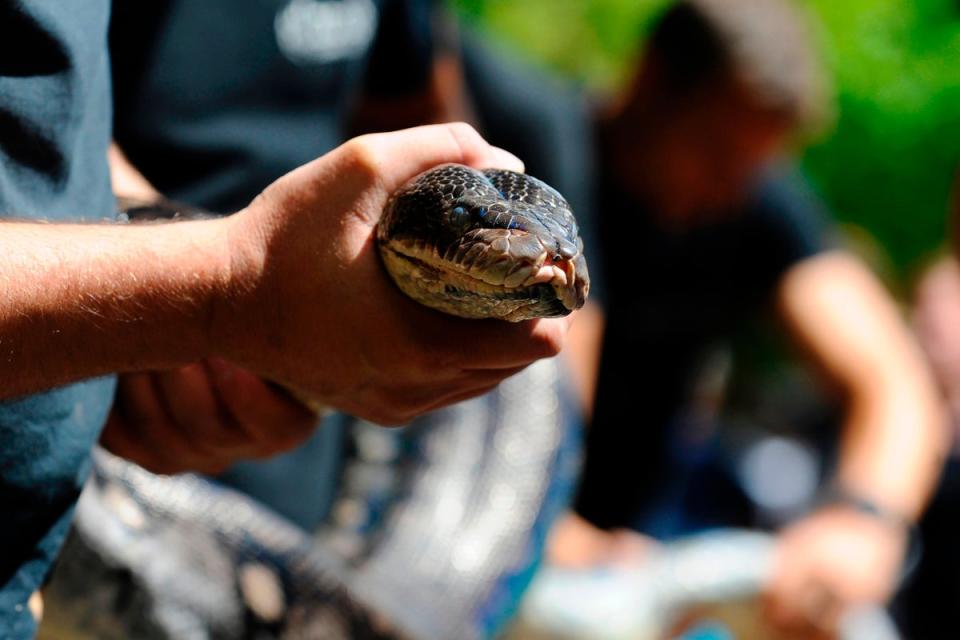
124	440
494	344
272	419
462	396
400	155
400	406
137	400
116	439
195	411
470	385
136	407
152	433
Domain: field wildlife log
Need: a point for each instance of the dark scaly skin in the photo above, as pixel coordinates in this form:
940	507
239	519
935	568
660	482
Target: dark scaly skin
484	244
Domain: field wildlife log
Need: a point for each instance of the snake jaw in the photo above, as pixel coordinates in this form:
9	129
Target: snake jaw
483	268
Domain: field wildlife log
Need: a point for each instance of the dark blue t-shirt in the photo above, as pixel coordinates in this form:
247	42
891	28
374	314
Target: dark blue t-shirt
217	99
671	295
54	130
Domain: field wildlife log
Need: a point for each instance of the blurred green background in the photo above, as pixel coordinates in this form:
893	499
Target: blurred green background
887	161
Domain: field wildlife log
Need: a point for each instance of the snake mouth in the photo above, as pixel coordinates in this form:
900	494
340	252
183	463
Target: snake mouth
482	272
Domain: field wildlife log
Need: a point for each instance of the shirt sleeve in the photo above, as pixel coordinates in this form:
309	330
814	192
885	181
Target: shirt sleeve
786	224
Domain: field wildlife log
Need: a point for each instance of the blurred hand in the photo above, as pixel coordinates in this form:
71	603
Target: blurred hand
574	543
827	562
310	304
202	417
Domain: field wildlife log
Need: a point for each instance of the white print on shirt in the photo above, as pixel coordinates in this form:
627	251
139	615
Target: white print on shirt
323	31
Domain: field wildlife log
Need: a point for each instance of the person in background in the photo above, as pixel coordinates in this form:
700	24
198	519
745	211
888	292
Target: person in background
700	232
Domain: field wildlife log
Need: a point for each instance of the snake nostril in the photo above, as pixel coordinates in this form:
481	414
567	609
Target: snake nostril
566	249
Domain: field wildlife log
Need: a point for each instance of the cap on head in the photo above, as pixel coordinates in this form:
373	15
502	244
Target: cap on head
765	44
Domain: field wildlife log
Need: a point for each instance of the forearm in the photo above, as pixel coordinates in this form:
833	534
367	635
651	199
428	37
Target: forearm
895	434
894	441
582	354
78	301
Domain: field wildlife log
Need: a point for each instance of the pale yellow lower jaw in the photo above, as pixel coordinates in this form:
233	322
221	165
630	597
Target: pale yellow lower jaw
430	285
528	275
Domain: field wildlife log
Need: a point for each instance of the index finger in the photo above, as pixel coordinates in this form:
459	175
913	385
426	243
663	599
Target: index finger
398	156
496	344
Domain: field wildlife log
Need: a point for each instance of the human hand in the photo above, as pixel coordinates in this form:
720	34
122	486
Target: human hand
576	544
202	417
834	559
312	307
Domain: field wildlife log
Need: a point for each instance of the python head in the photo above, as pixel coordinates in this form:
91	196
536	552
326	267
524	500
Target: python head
484	244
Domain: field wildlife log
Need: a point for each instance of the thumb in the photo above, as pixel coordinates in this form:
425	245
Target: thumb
398	156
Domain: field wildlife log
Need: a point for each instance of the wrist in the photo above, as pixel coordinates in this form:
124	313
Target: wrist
839	496
902	526
231	267
237	316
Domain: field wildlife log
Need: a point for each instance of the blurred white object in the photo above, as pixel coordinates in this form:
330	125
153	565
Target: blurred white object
780	475
711	578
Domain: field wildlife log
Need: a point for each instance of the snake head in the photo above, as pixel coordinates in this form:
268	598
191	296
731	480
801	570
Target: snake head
484	244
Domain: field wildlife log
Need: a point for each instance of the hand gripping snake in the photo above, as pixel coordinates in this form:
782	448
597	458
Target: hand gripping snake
455	519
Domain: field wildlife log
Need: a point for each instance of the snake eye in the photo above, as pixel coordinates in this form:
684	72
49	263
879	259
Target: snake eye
458	212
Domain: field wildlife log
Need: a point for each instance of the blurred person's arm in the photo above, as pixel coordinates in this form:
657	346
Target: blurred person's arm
892	446
126	180
582	354
84	300
937	322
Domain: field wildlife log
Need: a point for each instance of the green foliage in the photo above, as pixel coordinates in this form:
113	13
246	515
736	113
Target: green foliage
589	40
887	164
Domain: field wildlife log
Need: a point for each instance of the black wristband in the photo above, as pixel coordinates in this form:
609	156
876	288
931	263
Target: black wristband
159	208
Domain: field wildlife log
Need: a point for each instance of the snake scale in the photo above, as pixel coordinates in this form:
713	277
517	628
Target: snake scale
453	521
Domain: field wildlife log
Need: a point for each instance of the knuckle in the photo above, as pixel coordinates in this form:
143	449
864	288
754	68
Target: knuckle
468	141
463	132
363	157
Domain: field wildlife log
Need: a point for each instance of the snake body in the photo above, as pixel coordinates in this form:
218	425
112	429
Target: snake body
434	534
484	244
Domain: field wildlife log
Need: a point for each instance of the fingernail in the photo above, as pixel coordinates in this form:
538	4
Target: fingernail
506	160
